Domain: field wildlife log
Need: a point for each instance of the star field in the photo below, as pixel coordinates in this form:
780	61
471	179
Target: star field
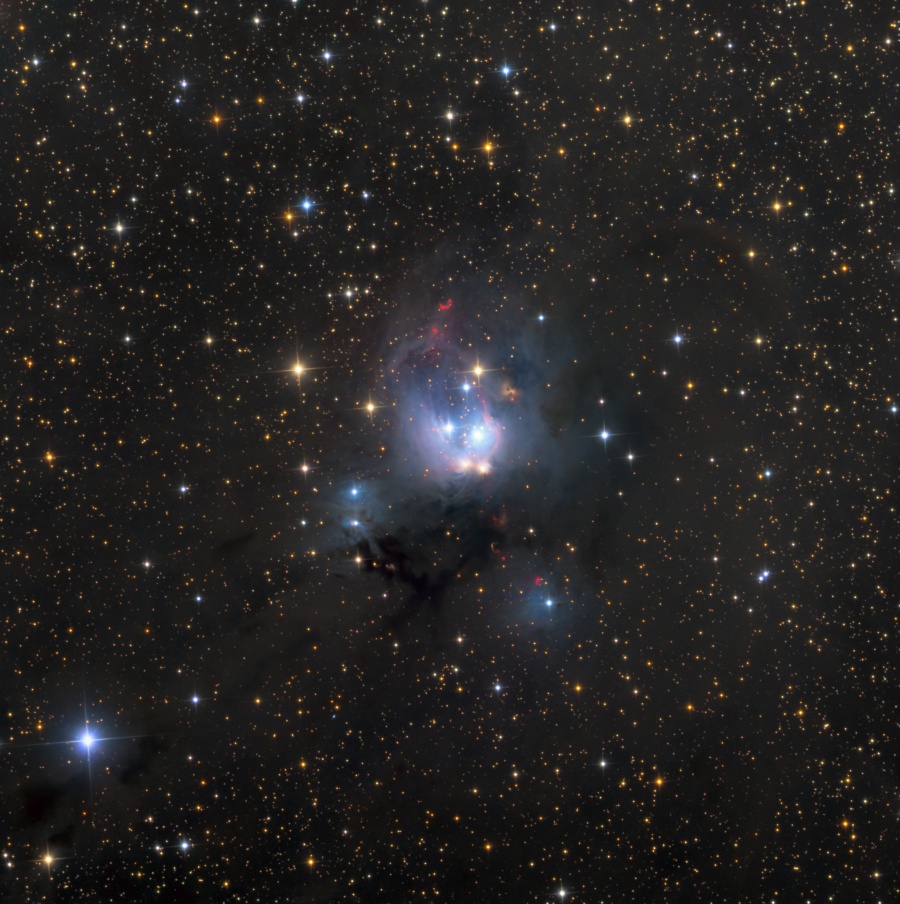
449	452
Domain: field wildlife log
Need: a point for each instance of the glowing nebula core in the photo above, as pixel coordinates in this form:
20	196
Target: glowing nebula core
455	413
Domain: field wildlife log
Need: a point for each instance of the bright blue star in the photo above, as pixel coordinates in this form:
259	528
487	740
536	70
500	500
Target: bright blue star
87	739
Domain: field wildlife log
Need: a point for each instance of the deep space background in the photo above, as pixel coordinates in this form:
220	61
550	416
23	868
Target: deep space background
449	451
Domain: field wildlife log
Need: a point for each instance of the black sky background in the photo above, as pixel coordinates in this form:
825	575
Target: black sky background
389	710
